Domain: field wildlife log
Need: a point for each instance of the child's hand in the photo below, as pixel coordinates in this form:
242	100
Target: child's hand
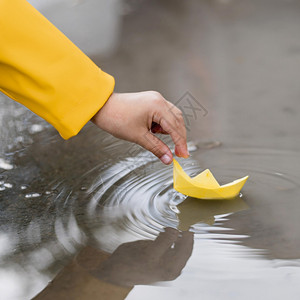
136	116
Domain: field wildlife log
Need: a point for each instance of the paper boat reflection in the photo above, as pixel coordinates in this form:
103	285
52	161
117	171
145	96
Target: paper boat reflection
193	211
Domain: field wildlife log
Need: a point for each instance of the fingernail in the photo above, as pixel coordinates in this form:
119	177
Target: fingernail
186	156
166	159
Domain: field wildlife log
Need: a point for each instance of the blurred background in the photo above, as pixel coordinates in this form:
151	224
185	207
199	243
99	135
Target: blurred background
233	67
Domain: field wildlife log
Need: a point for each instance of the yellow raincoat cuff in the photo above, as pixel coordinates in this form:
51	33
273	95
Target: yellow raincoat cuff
42	69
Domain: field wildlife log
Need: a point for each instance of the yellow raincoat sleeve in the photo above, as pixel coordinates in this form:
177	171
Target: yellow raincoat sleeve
42	69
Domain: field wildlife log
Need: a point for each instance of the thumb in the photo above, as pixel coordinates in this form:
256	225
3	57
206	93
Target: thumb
153	144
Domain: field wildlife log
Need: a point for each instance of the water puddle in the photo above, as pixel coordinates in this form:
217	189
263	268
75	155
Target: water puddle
126	210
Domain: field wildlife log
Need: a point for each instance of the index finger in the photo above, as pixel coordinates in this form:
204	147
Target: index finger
171	121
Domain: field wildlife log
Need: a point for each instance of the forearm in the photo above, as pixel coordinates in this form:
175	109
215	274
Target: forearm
45	71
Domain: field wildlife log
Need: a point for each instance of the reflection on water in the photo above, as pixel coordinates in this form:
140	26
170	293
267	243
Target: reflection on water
105	208
193	211
116	274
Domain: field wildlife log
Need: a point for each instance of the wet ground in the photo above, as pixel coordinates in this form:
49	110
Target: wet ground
98	217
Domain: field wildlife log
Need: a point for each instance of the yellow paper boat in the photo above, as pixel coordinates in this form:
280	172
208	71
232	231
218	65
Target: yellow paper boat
204	185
